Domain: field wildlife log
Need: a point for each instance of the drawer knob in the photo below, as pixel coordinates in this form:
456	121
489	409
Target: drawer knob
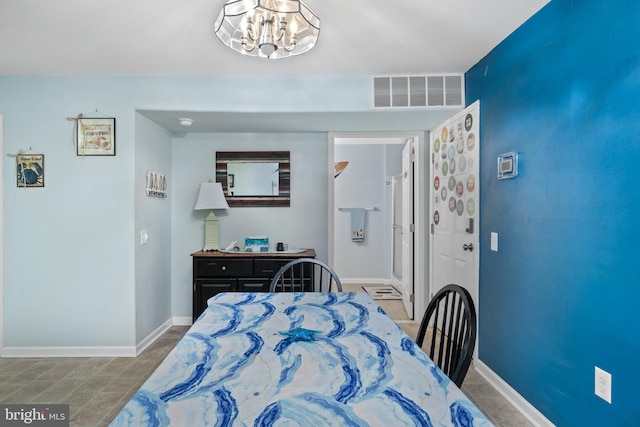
224	268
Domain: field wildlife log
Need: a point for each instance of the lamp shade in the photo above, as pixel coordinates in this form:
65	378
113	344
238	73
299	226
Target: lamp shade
211	197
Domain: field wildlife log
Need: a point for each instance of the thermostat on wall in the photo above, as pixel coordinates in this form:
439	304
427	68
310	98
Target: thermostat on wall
507	165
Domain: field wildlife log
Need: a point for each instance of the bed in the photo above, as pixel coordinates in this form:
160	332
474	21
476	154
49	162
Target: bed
297	359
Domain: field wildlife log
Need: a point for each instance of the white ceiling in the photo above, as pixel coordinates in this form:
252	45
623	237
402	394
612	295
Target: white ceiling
175	37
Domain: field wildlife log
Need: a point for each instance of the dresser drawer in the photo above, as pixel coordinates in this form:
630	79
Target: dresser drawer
223	267
253	285
205	289
215	272
268	267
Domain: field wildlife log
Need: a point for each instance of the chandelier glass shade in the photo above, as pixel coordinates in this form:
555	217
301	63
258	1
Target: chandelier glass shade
268	28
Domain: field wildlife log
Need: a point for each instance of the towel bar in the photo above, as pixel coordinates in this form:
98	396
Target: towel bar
375	208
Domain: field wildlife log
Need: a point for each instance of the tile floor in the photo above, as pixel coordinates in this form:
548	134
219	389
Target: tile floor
97	388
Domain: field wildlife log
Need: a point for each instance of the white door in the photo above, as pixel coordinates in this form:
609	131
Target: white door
403	227
396	231
454	202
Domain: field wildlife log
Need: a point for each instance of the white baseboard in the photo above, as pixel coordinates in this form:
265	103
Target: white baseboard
115	351
182	321
384	282
150	339
28	352
520	403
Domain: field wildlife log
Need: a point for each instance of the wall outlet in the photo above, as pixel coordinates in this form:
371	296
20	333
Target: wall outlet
603	384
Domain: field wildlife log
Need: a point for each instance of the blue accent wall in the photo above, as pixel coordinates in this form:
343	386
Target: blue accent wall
560	296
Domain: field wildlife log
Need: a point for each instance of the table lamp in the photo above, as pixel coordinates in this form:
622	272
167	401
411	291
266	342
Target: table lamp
211	197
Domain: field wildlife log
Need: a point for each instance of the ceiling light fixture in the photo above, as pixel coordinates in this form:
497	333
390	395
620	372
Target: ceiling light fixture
185	121
268	28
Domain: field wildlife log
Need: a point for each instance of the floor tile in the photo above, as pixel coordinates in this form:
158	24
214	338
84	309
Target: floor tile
96	389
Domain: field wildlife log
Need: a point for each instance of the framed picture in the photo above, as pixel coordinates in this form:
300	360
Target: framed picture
96	137
30	170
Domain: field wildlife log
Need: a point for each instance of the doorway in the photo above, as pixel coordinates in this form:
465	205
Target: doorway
402	221
348	265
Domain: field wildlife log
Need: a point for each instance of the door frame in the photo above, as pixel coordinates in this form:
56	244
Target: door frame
420	254
2	308
408	221
394	222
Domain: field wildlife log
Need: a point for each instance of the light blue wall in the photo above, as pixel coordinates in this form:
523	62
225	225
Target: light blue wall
560	296
302	225
361	184
153	260
71	246
69	258
75	274
364	184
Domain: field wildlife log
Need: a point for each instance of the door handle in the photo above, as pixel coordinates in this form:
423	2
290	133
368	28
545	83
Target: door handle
468	247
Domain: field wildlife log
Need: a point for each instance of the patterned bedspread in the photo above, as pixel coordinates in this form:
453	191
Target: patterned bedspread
297	359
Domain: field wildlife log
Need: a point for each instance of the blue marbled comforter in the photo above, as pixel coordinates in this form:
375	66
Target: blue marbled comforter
297	359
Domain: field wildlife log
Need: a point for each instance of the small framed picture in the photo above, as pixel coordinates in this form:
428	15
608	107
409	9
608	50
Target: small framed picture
30	170
96	137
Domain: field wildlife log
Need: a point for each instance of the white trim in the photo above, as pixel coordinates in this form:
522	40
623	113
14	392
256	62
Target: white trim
368	281
513	397
2	252
182	321
116	351
366	140
25	352
153	336
331	147
420	250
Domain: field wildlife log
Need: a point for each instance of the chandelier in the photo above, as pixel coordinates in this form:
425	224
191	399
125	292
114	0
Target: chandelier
268	28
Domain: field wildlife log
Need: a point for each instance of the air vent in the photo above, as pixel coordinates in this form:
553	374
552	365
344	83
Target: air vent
418	91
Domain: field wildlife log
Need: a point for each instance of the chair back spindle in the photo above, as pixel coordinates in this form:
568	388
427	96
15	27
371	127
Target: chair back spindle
450	326
305	275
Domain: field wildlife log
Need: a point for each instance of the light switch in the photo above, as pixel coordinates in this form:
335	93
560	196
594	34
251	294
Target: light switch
494	242
144	237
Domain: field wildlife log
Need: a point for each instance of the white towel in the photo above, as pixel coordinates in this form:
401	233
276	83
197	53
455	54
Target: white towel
357	224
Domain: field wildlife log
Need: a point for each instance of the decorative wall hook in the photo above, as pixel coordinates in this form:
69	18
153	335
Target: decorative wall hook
156	185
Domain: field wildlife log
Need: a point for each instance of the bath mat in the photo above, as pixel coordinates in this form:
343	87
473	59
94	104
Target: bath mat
382	292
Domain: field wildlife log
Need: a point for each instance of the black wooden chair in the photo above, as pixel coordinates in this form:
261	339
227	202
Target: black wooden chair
305	275
449	324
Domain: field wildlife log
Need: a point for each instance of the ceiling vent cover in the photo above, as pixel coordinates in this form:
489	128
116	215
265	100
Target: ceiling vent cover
418	91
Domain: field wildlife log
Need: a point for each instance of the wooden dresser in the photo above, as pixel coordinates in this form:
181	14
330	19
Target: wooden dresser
215	272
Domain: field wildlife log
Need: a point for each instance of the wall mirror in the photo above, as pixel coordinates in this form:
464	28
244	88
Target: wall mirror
254	178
